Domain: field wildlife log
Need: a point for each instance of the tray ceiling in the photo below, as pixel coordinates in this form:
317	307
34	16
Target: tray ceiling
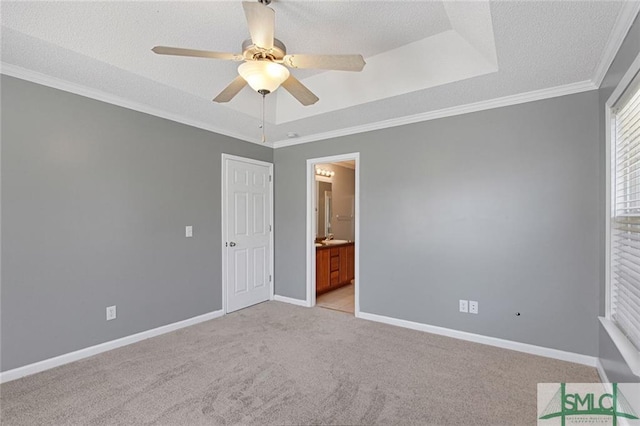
421	56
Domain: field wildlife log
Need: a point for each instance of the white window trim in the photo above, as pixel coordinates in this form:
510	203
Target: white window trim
628	351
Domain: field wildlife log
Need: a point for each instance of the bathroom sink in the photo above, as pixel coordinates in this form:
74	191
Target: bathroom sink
332	242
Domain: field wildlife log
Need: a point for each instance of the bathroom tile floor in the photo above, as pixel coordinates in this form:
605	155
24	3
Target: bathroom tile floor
341	299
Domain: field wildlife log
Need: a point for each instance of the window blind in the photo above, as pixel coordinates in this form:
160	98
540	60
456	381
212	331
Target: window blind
625	232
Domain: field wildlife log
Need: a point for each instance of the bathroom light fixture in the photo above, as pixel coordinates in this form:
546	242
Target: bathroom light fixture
326	173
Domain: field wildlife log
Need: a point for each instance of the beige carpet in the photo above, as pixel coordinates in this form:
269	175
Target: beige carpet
281	364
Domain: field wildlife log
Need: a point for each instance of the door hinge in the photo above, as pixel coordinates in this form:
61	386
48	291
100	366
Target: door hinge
269	178
269	228
269	278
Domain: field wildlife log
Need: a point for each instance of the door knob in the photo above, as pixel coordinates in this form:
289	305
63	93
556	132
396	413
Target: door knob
232	244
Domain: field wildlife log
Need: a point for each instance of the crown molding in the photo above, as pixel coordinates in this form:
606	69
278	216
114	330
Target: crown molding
536	95
60	84
625	19
99	95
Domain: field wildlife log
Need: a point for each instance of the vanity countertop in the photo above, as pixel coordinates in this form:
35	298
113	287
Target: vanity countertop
326	246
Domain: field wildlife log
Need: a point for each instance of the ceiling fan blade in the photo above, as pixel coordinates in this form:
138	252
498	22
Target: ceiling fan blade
231	90
299	91
165	50
262	21
325	62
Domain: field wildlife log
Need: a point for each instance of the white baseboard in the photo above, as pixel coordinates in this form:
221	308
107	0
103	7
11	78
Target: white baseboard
47	364
486	340
601	372
291	300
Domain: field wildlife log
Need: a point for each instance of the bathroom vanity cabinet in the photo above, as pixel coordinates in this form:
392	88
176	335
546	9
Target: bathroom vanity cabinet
334	266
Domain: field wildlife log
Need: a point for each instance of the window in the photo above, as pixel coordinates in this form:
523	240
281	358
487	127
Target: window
623	298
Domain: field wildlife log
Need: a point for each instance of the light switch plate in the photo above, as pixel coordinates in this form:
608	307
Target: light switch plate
464	306
188	231
111	312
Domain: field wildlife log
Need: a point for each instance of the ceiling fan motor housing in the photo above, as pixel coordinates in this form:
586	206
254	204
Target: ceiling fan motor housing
252	52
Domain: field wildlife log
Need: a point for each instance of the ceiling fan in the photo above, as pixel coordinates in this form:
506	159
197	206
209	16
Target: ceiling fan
265	59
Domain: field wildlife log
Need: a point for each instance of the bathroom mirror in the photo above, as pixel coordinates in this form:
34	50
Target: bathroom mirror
323	209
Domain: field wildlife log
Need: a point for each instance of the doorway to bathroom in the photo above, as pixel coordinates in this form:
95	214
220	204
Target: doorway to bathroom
333	243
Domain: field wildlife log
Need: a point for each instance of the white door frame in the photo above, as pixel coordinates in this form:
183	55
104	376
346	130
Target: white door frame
224	227
311	234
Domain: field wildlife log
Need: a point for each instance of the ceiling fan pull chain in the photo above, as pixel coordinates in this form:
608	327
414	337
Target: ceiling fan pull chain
264	139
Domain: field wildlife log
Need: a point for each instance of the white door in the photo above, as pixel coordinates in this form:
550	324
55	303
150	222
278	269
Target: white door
246	232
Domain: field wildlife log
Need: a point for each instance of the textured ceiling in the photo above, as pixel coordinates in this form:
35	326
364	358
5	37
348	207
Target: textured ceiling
484	50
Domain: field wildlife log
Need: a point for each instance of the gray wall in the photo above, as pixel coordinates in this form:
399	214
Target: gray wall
95	199
612	362
499	206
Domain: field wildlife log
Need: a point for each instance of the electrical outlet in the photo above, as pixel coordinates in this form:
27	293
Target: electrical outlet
111	312
464	306
188	231
473	307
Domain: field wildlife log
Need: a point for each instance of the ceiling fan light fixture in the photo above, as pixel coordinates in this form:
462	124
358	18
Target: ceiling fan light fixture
263	76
